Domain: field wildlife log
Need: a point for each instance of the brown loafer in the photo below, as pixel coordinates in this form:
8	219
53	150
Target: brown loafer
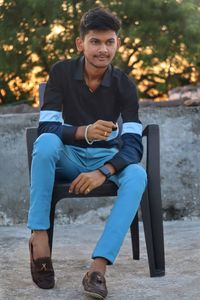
95	285
41	270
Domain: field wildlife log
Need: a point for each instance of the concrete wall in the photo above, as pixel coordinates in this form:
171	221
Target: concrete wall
180	158
180	165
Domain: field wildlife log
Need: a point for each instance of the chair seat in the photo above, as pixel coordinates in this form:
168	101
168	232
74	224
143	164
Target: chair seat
61	190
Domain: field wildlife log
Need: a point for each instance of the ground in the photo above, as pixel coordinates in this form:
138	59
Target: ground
126	279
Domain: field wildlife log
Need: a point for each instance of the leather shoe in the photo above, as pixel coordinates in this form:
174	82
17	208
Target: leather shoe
95	285
41	270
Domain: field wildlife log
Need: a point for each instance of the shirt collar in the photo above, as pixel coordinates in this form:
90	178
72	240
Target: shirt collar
78	75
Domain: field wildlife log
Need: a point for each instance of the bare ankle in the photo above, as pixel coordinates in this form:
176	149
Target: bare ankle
40	244
99	265
39	232
39	235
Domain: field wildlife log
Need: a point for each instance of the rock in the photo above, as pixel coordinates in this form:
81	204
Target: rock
167	103
188	92
192	102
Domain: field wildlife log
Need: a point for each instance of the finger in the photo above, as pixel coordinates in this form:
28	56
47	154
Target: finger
85	188
101	135
103	128
88	190
74	183
105	123
79	184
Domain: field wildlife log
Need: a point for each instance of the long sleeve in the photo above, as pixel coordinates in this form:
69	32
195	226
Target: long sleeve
51	120
131	150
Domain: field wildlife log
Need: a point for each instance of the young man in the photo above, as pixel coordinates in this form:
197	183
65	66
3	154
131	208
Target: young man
78	140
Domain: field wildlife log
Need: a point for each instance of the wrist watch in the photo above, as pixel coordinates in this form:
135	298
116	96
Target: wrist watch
105	171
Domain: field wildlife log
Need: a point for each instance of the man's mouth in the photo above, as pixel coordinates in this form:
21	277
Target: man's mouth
101	57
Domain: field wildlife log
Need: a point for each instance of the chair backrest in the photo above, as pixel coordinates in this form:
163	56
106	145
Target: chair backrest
42	86
31	136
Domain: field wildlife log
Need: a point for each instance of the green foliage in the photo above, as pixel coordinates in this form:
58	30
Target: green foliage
160	38
168	31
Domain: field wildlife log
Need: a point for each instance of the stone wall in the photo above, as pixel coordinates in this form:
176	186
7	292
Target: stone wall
180	158
180	165
188	94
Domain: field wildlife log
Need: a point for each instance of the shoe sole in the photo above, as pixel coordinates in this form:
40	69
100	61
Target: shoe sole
94	295
35	284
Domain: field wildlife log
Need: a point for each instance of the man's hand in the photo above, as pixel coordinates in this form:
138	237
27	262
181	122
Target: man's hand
86	182
100	130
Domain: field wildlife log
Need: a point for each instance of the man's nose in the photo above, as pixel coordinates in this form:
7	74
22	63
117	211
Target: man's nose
103	48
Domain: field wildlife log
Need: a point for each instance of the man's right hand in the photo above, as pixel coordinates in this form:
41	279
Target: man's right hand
100	130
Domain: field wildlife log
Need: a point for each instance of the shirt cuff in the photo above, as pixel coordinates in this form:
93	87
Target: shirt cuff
68	134
118	163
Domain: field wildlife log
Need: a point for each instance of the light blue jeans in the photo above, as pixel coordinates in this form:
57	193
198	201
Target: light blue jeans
52	159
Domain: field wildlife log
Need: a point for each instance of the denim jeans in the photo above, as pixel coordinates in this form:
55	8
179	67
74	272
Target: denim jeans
51	160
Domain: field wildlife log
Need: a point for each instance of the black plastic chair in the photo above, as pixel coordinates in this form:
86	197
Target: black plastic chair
151	206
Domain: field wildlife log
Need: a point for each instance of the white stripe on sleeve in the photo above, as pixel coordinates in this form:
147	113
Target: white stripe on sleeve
132	127
50	116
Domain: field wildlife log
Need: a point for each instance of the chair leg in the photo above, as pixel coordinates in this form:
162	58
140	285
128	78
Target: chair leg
134	228
146	217
153	242
157	232
153	203
50	230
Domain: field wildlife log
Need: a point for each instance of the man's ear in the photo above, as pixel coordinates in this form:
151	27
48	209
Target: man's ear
118	42
79	44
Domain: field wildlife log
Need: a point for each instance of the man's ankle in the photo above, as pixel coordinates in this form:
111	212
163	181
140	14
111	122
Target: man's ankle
40	243
98	265
39	232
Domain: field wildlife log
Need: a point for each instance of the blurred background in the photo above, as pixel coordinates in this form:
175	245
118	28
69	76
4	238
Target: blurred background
160	43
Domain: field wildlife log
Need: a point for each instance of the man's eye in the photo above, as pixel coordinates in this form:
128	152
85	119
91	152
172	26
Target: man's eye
110	42
94	42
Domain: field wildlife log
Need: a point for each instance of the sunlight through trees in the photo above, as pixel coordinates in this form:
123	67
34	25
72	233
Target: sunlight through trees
160	43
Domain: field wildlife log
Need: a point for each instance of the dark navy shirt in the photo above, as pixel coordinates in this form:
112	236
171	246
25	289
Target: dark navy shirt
69	103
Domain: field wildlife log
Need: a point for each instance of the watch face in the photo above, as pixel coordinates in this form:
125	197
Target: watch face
105	172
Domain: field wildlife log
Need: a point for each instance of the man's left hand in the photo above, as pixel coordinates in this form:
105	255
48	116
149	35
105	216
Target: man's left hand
86	182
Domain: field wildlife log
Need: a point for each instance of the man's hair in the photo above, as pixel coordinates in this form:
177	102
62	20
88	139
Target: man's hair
99	19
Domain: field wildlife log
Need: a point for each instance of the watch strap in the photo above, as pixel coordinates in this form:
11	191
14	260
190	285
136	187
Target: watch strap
105	171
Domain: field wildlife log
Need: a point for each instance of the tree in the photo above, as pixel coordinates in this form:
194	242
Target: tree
162	50
32	37
160	42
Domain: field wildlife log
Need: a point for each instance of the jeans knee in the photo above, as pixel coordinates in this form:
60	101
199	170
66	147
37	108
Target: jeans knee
142	174
135	172
47	145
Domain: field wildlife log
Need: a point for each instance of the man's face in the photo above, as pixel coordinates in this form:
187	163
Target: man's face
98	47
